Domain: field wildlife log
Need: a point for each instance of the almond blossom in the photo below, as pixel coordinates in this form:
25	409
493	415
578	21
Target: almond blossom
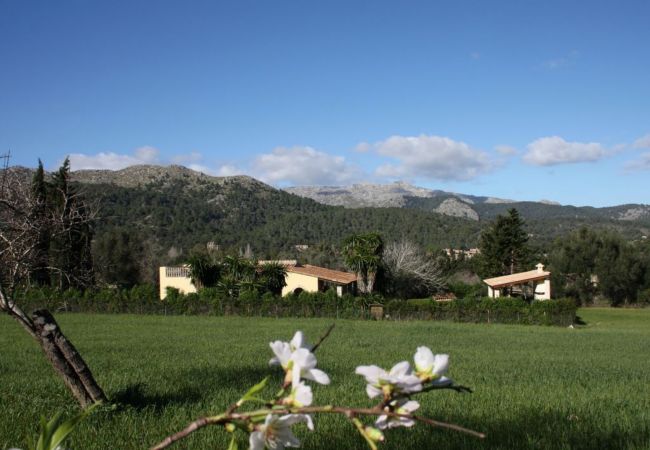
299	396
400	380
304	366
275	433
430	367
298	341
401	406
297	360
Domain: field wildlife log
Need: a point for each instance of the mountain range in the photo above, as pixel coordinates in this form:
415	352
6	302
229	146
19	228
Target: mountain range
174	207
472	207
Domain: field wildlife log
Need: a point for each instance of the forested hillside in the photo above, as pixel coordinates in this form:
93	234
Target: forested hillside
181	214
169	210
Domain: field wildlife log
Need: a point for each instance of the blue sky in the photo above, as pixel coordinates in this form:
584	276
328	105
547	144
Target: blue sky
526	100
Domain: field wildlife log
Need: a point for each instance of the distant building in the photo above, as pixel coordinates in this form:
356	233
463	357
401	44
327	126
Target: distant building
299	278
177	277
538	280
318	279
457	253
284	262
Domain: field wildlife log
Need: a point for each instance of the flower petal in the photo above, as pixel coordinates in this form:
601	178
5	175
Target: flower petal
282	352
298	341
317	375
400	369
371	373
302	395
304	358
423	359
440	364
256	440
382	422
372	391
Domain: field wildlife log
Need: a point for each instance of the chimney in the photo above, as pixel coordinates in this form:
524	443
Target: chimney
540	267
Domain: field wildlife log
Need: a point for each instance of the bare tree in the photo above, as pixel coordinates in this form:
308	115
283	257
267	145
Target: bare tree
409	272
23	221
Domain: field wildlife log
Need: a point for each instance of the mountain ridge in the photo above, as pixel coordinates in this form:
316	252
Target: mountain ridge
405	195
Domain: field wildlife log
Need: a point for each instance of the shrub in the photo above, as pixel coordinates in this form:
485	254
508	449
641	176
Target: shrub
212	301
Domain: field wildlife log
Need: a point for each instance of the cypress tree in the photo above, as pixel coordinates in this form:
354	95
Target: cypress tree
40	274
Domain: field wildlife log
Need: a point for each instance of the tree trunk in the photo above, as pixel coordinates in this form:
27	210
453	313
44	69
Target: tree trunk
361	285
65	359
371	282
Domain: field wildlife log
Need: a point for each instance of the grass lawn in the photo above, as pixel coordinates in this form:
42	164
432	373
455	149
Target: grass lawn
535	387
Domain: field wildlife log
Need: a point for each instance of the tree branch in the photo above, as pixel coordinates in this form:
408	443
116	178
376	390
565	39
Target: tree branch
223	419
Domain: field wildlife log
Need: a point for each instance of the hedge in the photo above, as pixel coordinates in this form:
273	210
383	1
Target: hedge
486	310
144	300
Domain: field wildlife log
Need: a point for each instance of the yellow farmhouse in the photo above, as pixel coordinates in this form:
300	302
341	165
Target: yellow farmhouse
314	279
299	278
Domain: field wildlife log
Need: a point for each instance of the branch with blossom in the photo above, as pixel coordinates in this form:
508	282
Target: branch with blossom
271	426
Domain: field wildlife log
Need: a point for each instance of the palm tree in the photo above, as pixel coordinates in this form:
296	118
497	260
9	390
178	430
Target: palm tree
272	276
203	271
363	254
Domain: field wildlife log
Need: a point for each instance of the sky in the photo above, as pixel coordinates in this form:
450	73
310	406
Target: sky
524	100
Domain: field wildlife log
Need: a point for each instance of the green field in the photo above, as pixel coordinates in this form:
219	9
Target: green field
535	387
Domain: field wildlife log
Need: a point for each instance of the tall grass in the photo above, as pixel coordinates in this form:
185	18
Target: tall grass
535	387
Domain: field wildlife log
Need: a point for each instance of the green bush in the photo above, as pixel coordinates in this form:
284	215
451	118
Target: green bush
212	301
487	310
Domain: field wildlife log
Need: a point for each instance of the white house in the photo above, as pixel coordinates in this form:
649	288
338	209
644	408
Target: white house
539	280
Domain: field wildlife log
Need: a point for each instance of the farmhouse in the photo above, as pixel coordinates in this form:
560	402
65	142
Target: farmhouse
536	281
314	279
299	278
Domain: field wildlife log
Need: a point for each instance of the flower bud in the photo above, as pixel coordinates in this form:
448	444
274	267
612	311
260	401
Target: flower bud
374	434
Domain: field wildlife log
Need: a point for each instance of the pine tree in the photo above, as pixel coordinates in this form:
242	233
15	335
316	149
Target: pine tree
504	245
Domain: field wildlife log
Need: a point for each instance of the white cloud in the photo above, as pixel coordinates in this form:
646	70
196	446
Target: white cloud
303	166
113	161
506	150
642	142
552	150
432	157
641	163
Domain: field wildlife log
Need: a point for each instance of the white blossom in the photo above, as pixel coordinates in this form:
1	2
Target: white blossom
300	396
430	367
304	366
297	341
282	352
400	380
275	433
401	406
297	360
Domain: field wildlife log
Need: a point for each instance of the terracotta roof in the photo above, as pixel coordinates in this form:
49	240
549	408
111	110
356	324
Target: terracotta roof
322	273
444	297
283	262
516	278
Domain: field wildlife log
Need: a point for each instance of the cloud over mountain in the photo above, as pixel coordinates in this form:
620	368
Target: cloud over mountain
114	161
431	157
553	150
303	166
